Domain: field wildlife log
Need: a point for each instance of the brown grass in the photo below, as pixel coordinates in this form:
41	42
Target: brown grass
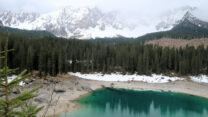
177	43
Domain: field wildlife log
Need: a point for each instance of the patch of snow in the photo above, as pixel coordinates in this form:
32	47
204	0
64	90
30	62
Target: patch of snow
12	78
200	79
117	77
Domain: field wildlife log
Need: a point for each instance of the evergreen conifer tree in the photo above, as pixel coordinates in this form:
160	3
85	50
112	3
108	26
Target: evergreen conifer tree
14	106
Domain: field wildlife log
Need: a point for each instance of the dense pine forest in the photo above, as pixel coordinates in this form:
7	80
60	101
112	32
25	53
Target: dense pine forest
51	56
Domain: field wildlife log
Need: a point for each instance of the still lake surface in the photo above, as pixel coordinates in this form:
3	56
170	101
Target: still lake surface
131	103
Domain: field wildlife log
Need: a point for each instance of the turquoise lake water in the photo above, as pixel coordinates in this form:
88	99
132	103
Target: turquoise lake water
130	103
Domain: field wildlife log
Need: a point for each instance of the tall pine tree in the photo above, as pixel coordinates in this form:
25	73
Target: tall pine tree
14	106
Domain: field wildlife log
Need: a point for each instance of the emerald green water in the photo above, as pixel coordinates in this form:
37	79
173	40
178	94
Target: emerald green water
130	103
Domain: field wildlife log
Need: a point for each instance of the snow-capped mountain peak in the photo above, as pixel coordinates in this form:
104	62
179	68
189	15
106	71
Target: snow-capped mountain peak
173	17
188	15
9	19
194	20
67	22
84	23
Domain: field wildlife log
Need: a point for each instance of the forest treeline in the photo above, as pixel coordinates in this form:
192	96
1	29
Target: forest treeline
51	56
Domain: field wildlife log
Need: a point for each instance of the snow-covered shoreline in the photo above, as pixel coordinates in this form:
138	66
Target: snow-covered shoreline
200	79
118	77
76	87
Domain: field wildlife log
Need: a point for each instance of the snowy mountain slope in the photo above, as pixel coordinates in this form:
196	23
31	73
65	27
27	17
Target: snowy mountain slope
84	22
189	27
66	22
173	17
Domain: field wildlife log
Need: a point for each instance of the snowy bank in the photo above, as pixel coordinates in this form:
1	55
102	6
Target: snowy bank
200	79
116	77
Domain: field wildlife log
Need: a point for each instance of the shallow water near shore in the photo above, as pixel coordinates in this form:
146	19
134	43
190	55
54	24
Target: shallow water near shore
130	103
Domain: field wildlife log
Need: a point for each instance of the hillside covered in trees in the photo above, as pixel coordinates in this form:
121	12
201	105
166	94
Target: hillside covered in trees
50	56
26	33
42	51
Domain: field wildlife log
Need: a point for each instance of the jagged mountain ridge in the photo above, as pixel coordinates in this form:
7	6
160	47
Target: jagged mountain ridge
67	22
194	20
87	23
188	28
173	17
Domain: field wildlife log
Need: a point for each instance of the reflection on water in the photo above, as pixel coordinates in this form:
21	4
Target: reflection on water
129	103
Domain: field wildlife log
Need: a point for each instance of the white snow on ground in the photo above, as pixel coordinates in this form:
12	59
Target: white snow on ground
123	78
200	79
12	78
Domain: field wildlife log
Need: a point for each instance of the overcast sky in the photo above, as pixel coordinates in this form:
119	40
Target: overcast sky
128	7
